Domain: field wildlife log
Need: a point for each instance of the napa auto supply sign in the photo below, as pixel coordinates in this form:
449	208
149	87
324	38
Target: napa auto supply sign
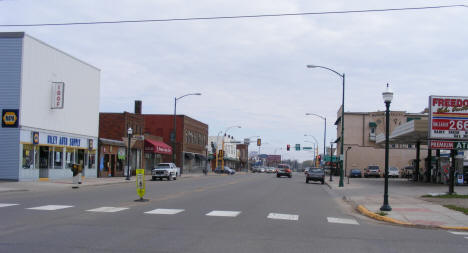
448	119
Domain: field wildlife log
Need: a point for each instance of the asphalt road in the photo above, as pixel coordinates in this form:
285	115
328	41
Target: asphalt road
308	212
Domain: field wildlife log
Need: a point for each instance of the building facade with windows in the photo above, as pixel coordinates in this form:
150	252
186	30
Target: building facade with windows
361	130
50	111
191	139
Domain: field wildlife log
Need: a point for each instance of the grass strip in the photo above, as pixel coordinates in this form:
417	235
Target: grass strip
447	196
458	208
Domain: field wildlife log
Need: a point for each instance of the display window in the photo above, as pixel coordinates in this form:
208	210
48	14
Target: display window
28	156
92	159
70	157
58	158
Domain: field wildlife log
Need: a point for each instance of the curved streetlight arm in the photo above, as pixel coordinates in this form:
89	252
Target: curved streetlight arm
322	67
190	94
313	114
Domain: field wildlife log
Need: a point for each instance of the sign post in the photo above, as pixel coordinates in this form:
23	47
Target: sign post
448	127
140	182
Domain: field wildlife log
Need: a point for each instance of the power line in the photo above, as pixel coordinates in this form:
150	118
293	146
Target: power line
238	17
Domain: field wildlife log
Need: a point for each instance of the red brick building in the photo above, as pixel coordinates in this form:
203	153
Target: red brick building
191	139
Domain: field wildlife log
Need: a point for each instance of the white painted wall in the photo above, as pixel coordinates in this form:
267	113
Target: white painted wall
42	65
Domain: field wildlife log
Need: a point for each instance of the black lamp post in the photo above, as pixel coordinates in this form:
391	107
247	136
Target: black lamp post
129	137
387	96
346	162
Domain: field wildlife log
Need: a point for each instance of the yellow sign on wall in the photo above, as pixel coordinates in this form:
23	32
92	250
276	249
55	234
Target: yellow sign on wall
140	181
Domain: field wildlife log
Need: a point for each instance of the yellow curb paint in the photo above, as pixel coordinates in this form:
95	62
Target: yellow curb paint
44	179
370	214
454	228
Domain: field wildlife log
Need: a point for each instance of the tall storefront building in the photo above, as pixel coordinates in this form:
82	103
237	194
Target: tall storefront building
50	111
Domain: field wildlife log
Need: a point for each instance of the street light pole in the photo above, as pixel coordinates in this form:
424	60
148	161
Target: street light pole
222	158
346	162
173	135
248	162
331	159
324	130
342	116
129	137
387	96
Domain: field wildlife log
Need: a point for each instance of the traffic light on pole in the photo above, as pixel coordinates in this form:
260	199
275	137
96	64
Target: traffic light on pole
319	158
288	147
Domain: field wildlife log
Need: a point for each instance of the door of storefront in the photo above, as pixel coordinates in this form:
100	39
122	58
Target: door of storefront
112	165
43	162
81	159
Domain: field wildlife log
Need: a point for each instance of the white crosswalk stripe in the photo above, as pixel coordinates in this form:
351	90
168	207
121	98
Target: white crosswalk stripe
223	213
165	211
342	221
458	233
7	204
49	207
107	209
282	216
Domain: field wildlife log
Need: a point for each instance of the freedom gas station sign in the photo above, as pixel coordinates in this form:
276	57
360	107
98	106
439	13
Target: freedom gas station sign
448	122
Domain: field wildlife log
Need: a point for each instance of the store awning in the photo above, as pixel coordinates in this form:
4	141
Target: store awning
157	147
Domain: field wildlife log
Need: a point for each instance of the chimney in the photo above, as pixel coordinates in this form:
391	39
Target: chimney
137	106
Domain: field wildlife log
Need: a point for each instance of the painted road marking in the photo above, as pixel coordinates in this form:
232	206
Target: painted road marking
107	209
165	211
7	204
342	221
49	207
223	213
458	233
283	216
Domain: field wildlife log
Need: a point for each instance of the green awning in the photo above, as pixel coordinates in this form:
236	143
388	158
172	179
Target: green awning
372	124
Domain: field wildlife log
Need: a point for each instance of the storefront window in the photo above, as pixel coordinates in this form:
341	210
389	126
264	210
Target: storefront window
92	160
70	157
58	160
28	156
50	160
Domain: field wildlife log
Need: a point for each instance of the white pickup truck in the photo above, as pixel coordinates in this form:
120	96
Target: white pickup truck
165	170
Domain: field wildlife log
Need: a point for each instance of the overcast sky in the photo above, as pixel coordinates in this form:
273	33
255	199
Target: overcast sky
252	72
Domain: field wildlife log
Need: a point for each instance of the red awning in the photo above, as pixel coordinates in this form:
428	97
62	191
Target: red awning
158	147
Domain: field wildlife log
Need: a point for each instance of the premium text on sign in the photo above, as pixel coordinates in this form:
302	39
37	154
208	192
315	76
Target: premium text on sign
448	118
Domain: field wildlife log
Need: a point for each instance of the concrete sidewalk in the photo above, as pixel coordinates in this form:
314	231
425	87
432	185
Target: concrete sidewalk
9	186
405	199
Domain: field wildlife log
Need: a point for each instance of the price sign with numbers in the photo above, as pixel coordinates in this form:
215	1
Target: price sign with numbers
448	118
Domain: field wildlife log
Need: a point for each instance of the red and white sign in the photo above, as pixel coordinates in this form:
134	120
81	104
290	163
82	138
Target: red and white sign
157	147
58	92
441	144
448	118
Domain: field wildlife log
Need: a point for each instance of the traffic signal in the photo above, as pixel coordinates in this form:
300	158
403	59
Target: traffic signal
259	142
288	147
319	158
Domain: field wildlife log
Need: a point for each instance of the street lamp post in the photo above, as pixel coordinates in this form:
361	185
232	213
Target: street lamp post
316	143
324	129
129	137
346	162
331	160
222	158
173	135
387	96
248	162
342	114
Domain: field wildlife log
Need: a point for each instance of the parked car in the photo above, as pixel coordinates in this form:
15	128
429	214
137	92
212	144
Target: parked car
407	172
270	170
393	172
372	171
355	173
165	170
283	170
315	174
255	169
227	170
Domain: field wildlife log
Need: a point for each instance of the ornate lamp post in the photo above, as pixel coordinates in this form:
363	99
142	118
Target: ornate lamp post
342	115
387	97
129	137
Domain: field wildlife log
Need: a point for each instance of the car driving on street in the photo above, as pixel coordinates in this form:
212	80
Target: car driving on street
315	174
283	170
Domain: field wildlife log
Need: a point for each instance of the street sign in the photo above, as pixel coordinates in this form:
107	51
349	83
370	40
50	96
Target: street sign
307	148
140	181
448	145
448	118
298	147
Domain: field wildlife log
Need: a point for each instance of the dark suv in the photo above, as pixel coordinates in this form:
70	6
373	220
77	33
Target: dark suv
315	174
283	170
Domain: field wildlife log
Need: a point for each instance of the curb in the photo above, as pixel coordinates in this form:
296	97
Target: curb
361	209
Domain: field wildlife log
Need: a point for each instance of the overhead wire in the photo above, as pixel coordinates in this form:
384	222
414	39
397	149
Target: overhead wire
237	17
